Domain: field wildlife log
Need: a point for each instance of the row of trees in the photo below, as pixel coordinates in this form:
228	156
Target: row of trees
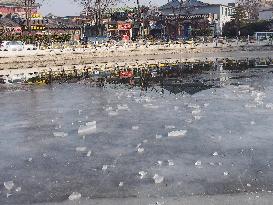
241	25
41	39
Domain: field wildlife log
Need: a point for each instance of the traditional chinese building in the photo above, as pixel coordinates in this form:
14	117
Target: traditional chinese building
16	7
185	16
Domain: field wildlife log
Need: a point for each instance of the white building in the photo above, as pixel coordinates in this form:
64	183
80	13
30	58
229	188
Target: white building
266	14
222	13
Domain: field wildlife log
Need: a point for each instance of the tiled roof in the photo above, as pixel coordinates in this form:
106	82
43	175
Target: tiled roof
6	22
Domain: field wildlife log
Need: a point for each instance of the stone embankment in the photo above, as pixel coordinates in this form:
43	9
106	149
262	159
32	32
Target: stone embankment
109	57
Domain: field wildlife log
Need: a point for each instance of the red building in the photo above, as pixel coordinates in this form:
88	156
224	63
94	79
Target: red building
14	7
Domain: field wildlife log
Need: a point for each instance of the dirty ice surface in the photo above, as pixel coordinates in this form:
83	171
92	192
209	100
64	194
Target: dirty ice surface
70	142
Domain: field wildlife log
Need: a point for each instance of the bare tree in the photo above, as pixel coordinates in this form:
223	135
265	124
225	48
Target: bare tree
95	9
252	8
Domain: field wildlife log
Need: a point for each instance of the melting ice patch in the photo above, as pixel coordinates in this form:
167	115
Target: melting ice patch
89	128
177	134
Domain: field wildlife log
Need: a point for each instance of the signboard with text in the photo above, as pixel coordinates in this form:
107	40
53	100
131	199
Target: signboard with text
188	17
124	26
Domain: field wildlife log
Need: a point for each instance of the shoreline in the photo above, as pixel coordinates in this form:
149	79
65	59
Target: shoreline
106	58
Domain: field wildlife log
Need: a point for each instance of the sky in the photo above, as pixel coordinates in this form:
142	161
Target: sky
68	8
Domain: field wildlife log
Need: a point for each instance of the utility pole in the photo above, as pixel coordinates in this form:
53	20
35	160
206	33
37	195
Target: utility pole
28	8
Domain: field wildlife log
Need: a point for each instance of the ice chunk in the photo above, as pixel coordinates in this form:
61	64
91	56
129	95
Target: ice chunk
215	154
74	196
158	136
177	134
150	106
140	150
104	167
9	185
194	106
142	174
18	189
248	185
135	127
226	173
123	107
94	123
89	128
159	163
196	112
89	153
158	179
108	109
269	106
198	164
197	117
81	149
60	134
171	163
169	127
121	184
113	113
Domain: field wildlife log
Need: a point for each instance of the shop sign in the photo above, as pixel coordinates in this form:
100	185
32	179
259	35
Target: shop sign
36	28
188	17
112	26
124	26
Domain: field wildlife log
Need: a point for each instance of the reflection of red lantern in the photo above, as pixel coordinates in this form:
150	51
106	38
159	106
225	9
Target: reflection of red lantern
18	30
125	38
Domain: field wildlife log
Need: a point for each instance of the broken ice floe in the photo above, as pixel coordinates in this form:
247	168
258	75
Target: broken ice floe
169	127
104	167
198	164
89	128
158	136
226	173
142	174
135	127
74	196
140	150
9	185
89	153
121	184
170	162
159	163
113	113
177	134
215	154
123	107
158	179
60	134
269	106
18	189
81	149
150	106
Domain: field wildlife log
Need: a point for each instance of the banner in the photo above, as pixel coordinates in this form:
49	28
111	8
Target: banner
124	26
188	17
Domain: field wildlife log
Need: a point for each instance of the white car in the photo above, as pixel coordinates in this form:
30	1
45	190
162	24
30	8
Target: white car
3	45
13	46
30	47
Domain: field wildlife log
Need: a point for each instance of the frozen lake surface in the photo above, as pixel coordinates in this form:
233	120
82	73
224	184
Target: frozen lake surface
75	142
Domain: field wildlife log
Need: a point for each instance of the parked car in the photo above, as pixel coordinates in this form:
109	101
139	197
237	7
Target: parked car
30	47
3	45
13	46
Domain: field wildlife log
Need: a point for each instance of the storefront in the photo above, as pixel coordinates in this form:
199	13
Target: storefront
120	30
